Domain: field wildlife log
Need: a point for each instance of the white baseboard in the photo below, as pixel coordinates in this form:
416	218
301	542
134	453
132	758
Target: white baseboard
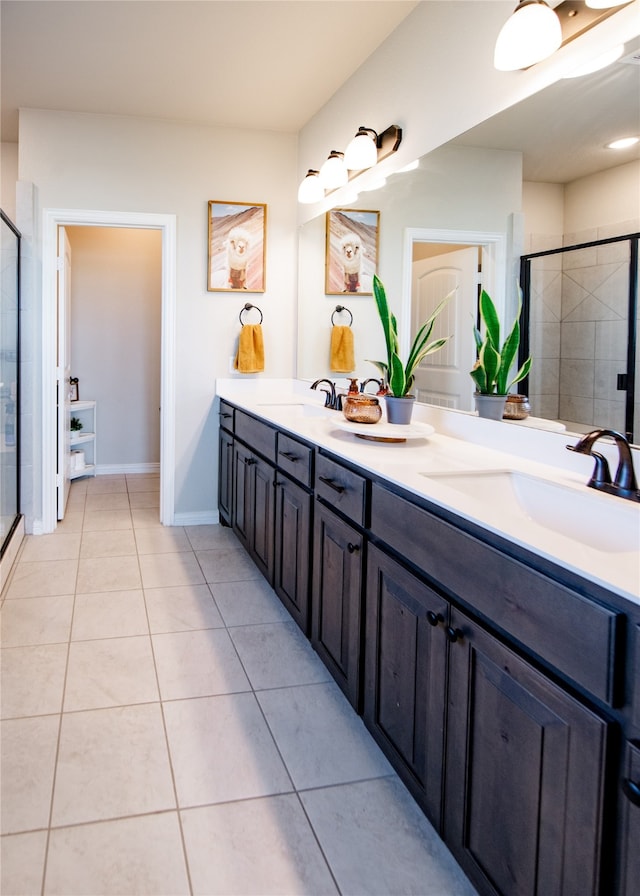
131	469
199	518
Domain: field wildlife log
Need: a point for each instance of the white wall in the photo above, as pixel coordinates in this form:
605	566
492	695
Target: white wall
116	303
608	198
133	165
8	178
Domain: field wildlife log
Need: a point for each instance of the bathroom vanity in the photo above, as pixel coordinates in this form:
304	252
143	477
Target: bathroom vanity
494	659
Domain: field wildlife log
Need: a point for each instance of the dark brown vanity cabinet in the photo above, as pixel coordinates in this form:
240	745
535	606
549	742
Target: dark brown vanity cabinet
338	564
225	463
254	506
524	773
630	865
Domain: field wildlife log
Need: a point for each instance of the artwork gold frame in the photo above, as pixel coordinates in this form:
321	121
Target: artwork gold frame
237	246
352	239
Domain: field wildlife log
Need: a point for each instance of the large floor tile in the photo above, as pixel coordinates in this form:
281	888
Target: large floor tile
143	482
248	603
321	739
102	485
112	763
43	578
59	546
207	538
106	520
109	543
273	832
28	751
145	517
227	565
110	614
142	855
112	672
22	863
36	620
32	680
162	540
221	750
277	655
149	499
197	664
108	574
106	501
72	523
378	842
181	608
164	570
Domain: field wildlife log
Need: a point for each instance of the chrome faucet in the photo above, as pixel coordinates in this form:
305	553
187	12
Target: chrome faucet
624	484
331	401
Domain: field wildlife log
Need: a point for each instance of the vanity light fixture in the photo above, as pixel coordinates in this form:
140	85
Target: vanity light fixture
333	173
310	189
535	31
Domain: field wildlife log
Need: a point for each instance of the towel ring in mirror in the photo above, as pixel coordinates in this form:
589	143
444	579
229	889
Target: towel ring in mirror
248	306
340	308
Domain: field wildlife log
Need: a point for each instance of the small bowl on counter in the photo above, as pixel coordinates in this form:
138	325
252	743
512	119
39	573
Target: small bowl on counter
361	408
516	407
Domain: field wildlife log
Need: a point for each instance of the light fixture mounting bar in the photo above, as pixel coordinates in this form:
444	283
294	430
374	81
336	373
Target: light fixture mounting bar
576	18
387	143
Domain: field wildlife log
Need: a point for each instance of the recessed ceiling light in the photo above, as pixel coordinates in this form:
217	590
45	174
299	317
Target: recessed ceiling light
623	143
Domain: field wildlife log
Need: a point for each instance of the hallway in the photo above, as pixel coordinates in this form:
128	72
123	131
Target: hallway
167	729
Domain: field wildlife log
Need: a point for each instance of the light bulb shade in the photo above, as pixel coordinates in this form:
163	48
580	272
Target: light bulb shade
333	173
310	189
362	152
530	35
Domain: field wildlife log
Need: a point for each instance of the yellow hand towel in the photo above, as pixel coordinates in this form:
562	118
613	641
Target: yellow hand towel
342	357
250	355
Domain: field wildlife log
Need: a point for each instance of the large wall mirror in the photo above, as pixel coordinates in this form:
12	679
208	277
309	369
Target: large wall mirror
535	174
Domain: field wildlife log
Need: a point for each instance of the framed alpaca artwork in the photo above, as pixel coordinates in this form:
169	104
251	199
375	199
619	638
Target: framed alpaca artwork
237	241
351	251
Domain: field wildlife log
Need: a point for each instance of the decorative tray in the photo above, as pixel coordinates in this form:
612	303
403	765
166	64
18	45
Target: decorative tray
386	432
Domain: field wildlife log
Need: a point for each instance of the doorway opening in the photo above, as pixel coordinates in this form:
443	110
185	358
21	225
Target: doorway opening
53	219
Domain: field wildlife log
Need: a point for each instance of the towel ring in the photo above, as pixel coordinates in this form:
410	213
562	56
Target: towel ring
248	306
340	308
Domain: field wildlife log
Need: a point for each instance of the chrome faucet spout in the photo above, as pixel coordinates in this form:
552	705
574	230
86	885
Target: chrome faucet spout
624	485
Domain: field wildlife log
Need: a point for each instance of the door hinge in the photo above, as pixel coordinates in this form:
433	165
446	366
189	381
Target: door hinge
59	263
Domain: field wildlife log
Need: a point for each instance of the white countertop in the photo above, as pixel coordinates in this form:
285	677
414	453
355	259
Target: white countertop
462	442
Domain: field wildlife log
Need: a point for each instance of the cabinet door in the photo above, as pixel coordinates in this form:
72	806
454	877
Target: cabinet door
225	477
524	774
337	584
253	507
405	676
292	549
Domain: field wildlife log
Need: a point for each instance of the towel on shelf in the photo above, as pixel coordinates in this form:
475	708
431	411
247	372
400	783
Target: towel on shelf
342	356
250	354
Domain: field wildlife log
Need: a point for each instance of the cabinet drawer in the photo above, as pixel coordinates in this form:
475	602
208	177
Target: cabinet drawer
579	637
342	489
226	415
294	458
257	435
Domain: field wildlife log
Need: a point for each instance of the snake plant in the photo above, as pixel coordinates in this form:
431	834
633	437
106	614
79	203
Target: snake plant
491	371
397	376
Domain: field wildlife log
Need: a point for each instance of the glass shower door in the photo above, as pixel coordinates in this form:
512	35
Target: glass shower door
9	366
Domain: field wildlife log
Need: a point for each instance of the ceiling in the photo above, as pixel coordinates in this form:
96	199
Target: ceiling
271	65
265	65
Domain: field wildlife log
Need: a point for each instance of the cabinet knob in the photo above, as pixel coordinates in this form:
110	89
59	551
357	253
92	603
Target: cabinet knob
250	461
353	548
434	618
631	790
332	484
453	634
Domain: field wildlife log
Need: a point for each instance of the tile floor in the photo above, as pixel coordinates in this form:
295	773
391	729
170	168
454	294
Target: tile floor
166	729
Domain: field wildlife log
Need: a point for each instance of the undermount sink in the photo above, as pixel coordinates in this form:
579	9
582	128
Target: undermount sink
298	408
599	521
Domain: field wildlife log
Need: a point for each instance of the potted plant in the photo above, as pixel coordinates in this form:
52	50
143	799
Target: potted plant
491	371
75	424
398	376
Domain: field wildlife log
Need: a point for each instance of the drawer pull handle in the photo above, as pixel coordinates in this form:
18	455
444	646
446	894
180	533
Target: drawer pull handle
632	791
453	634
224	416
290	456
250	461
353	548
332	484
434	618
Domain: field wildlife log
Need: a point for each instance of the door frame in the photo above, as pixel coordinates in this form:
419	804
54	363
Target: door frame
496	277
52	218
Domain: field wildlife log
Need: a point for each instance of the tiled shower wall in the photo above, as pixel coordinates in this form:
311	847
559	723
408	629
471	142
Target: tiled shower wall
579	329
